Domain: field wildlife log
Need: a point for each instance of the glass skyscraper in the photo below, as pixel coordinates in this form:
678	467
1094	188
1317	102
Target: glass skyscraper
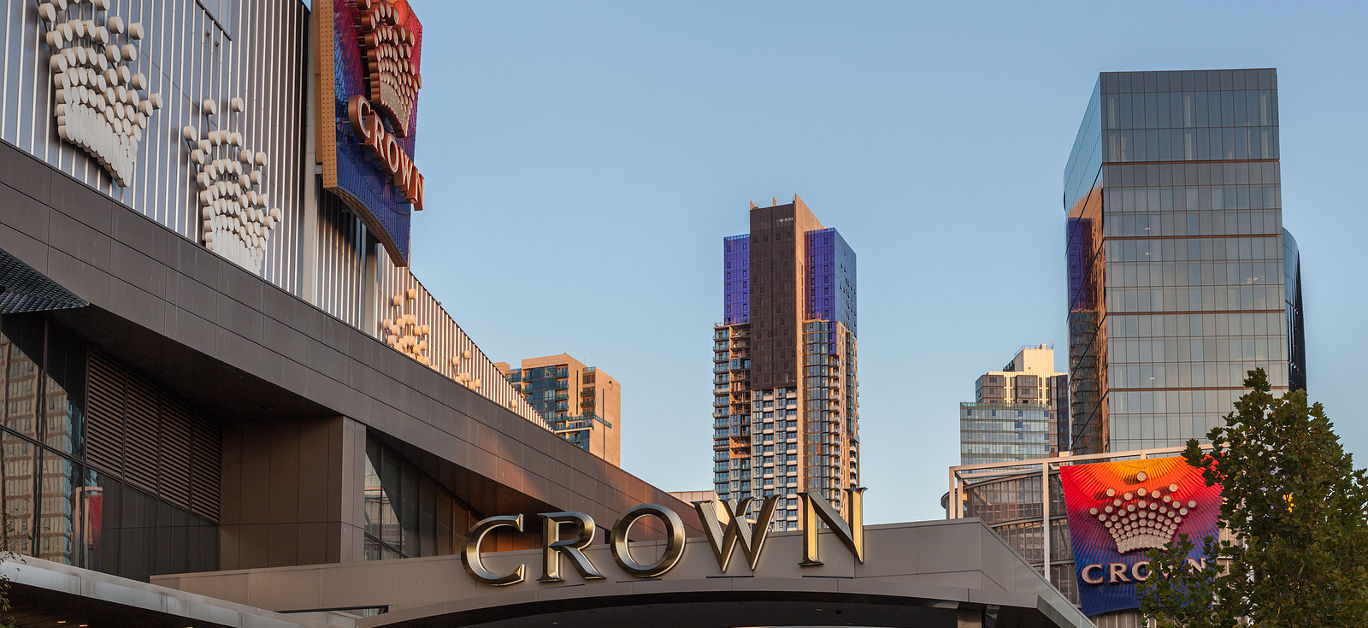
1181	277
785	389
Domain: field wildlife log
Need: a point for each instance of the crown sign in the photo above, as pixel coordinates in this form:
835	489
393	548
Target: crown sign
391	79
100	107
237	221
404	333
1144	519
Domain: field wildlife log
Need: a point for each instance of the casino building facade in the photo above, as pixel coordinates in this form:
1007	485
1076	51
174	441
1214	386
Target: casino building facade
220	372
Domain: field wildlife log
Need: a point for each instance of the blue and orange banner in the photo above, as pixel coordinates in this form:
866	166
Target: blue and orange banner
370	54
1119	510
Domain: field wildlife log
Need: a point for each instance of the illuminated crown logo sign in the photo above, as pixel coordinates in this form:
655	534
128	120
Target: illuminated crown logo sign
403	332
1143	519
233	209
392	79
101	105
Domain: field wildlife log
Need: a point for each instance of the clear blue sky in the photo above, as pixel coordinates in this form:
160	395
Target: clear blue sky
585	159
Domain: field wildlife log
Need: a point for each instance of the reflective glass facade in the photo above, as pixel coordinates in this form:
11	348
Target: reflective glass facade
830	278
736	280
1177	260
66	494
1030	378
1002	432
407	512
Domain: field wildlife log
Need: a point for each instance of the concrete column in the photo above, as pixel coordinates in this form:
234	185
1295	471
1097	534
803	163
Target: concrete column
970	616
291	492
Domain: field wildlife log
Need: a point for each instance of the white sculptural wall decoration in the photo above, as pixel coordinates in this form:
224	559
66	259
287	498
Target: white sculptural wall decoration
403	332
101	104
233	206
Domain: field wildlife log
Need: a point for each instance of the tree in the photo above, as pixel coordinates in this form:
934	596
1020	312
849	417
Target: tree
1296	512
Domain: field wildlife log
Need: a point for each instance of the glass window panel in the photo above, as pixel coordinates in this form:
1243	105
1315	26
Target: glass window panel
63	390
57	519
23	344
390	484
18	470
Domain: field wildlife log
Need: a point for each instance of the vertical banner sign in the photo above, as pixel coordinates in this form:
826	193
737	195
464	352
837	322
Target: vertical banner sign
1118	510
368	80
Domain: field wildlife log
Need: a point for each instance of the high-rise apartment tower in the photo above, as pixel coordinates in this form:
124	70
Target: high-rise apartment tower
1181	276
581	403
1020	412
786	401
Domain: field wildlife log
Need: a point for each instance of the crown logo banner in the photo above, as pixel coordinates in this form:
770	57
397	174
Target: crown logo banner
1118	510
369	75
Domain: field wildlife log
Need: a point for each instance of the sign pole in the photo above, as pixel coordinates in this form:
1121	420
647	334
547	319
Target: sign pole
1045	518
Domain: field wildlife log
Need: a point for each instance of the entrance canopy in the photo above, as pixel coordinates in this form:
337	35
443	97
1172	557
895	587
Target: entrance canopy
953	574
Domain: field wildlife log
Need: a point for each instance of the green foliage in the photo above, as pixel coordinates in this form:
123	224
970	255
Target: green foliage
1297	512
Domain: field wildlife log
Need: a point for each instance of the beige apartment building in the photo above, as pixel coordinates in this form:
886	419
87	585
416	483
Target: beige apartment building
1030	379
581	403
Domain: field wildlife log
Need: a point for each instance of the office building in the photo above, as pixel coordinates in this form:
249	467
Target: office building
581	403
785	385
1181	277
999	432
1030	378
1018	413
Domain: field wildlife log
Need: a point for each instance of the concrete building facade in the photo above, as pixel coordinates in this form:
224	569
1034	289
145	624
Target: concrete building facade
209	362
218	364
